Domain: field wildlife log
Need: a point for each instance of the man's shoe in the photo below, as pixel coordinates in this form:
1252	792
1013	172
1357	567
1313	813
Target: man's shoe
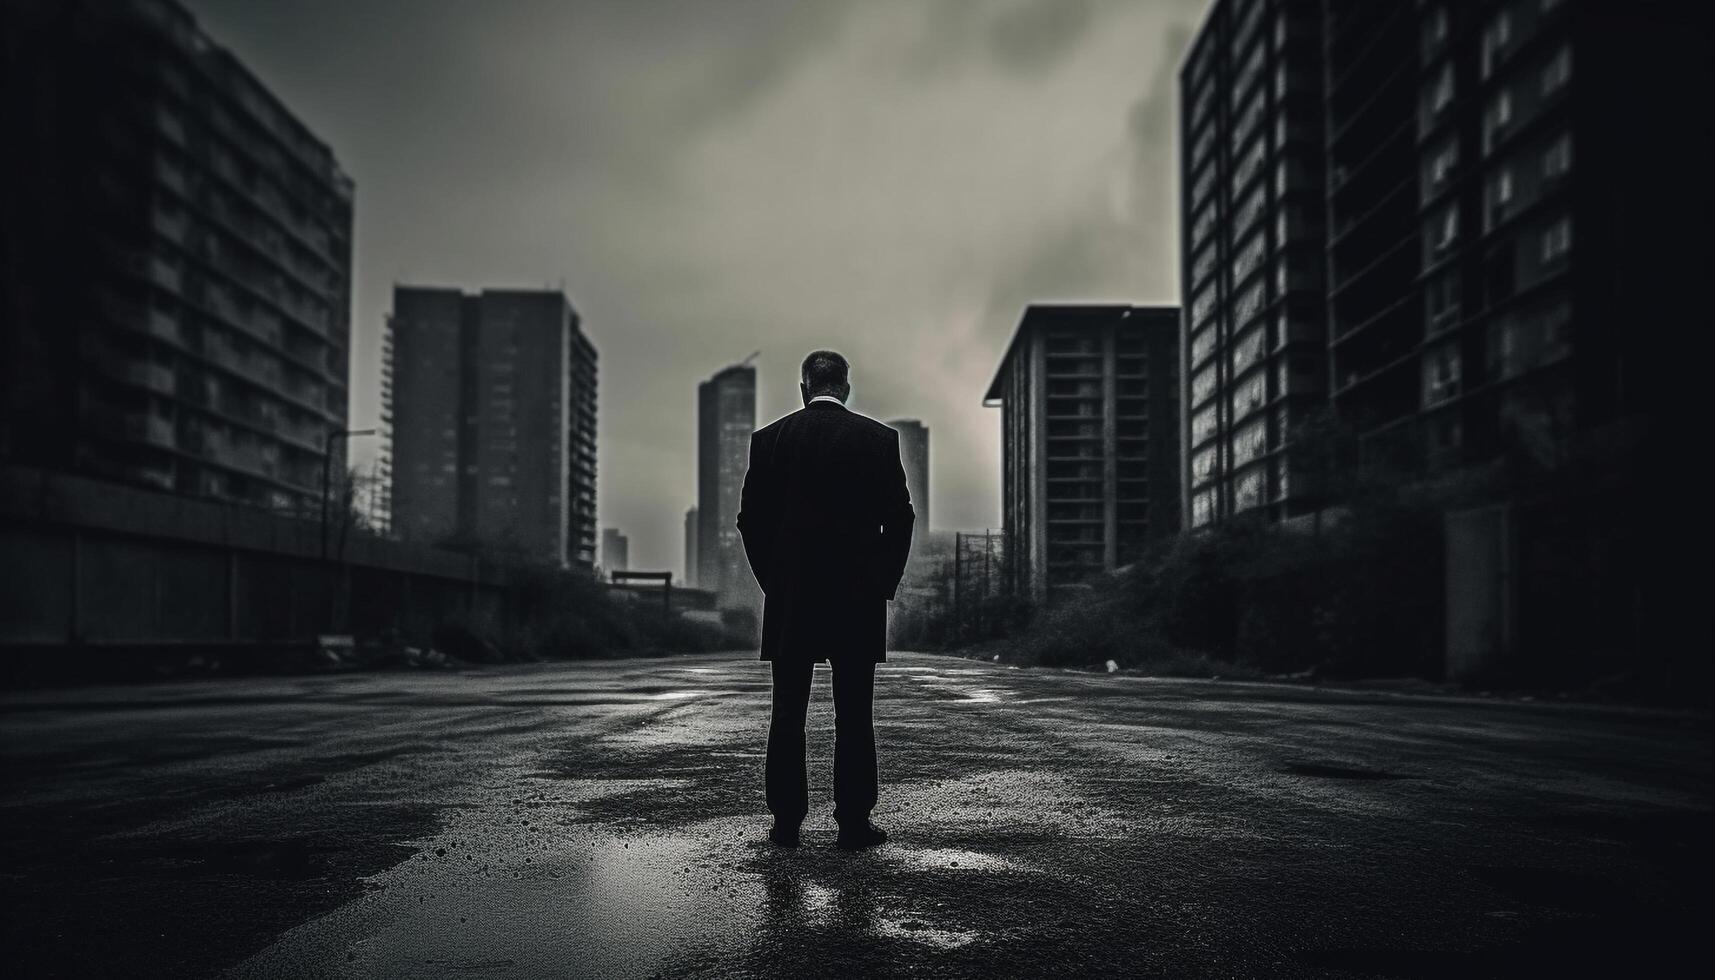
784	835
863	835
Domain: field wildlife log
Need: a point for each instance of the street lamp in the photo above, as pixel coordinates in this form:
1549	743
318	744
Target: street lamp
327	464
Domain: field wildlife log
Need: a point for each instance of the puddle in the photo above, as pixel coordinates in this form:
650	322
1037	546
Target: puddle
614	905
953	859
819	899
983	695
919	931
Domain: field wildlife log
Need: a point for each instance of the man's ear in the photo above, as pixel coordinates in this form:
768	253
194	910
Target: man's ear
804	392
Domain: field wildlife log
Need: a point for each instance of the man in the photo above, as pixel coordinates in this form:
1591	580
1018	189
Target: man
826	521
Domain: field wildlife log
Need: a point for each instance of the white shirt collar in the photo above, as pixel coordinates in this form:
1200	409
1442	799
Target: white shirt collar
827	398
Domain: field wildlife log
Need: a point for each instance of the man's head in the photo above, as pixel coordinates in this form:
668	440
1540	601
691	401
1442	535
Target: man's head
825	373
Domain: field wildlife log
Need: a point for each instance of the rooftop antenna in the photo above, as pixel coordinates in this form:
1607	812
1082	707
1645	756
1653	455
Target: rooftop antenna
753	356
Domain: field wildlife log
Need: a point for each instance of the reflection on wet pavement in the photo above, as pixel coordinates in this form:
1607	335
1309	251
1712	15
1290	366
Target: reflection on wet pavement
607	820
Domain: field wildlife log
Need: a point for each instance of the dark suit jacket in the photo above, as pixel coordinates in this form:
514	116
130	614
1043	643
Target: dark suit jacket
826	521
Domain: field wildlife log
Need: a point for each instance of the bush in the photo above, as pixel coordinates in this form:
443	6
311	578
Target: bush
1356	595
567	616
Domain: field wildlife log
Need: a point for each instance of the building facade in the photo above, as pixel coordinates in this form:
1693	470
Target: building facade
1089	399
176	277
914	455
1499	193
691	547
494	423
726	417
1252	221
615	550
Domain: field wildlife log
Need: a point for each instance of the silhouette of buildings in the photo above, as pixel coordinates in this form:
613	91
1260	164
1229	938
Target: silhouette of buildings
1089	399
914	456
176	280
1461	226
615	550
691	547
726	416
494	422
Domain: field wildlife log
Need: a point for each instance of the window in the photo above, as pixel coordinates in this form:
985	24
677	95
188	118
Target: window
1204	304
1203	384
1205	262
1250	442
1204	423
1557	240
1435	99
1203	344
1202	508
1247	122
1519	343
1444	229
1249	165
1496	36
1434	31
1251	209
1498	116
1443	95
1441	301
1440	374
1438	171
1250	395
1249	303
1557	159
1203	464
1497	197
1557	72
1247	350
1247	489
1249	257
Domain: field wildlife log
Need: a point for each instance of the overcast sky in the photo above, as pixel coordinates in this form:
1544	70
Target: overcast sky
894	179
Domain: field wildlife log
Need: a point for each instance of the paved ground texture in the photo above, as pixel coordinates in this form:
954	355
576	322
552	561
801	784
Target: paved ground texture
603	820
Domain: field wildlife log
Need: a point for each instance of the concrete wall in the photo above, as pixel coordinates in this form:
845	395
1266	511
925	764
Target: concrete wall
89	563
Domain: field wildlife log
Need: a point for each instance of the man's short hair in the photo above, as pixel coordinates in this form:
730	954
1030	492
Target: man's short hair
826	373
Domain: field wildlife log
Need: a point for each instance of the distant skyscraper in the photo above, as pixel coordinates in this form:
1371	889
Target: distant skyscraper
615	550
914	454
691	547
494	422
1089	399
726	416
175	287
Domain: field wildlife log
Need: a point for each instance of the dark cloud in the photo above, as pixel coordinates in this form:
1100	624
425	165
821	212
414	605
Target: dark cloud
1034	36
1103	253
890	178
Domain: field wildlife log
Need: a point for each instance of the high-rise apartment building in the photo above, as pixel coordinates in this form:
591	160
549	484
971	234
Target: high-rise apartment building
1499	193
914	455
726	417
1089	399
691	547
1252	237
615	550
494	422
176	273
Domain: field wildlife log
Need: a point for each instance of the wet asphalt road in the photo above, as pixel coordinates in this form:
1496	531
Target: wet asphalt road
603	819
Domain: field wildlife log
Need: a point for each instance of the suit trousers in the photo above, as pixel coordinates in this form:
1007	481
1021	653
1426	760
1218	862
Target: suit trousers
854	740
